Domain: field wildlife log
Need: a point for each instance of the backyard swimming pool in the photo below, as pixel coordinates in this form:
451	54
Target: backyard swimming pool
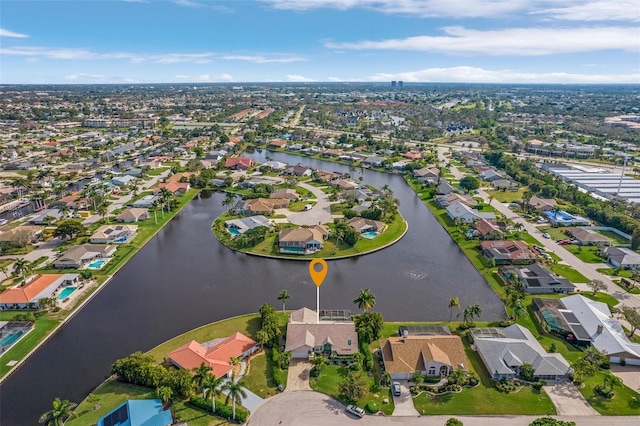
233	231
97	264
66	292
370	235
10	339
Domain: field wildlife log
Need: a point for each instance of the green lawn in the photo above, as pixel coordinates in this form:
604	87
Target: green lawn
113	393
588	254
623	273
569	273
332	375
43	327
507	196
259	379
156	172
622	403
484	399
615	238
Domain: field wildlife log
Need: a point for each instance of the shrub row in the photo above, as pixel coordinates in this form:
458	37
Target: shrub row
274	365
222	410
435	389
505	386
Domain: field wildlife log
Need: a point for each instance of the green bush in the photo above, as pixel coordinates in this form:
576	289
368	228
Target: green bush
372	407
603	391
222	410
505	386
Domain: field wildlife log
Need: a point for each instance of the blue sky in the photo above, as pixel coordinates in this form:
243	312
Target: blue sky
153	41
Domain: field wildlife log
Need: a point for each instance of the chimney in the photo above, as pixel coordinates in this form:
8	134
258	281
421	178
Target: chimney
599	329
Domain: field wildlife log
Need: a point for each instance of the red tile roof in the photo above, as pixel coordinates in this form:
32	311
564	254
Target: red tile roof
27	293
193	354
244	162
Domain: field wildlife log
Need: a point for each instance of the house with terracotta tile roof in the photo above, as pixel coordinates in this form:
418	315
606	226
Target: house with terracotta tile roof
215	354
177	188
433	356
133	215
278	143
114	233
27	295
413	155
488	230
587	237
238	163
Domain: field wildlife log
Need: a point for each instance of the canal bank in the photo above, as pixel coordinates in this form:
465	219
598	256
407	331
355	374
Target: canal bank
184	278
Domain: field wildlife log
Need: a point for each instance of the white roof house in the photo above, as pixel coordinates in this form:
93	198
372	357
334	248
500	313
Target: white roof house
622	257
505	351
246	223
464	213
606	333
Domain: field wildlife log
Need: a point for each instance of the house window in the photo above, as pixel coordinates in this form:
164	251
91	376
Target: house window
349	342
432	371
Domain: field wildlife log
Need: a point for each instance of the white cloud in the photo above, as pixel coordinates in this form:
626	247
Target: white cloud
204	78
262	59
509	41
12	34
84	54
188	3
420	8
336	79
85	77
299	78
468	74
599	10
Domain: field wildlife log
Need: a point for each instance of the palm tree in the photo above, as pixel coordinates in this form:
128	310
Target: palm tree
102	210
229	200
365	300
21	267
64	210
211	385
519	310
164	393
200	374
454	302
62	409
235	392
471	312
234	361
284	296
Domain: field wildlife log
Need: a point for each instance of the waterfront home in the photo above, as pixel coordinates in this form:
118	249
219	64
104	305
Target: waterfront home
27	295
454	197
238	163
374	161
305	336
445	188
460	212
488	230
244	224
433	356
427	175
504	350
302	240
277	143
585	321
77	257
273	165
297	170
262	206
138	412
363	225
215	354
132	215
536	279
587	237
145	202
107	234
508	252
620	257
176	188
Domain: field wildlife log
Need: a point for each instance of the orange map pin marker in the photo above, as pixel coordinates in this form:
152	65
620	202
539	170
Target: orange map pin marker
318	276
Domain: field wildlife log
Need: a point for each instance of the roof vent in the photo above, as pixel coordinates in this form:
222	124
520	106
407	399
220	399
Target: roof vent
599	329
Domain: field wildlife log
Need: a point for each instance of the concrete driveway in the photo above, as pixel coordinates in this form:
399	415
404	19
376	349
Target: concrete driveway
568	400
320	213
630	375
298	375
404	402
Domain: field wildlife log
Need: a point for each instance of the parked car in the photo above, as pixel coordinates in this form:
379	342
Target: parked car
546	235
355	410
3	222
396	389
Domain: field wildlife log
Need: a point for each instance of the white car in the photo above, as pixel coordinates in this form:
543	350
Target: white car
3	222
396	389
546	235
355	410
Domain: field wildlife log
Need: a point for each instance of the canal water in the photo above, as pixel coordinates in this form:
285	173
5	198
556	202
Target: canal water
183	278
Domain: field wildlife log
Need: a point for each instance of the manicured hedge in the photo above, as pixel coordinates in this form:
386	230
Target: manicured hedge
222	410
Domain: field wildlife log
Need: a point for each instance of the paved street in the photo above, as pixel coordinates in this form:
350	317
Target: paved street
320	213
316	409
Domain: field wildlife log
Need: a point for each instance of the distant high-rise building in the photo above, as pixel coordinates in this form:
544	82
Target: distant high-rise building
400	84
394	83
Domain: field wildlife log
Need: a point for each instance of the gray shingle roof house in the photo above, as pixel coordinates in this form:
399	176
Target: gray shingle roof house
461	212
537	279
78	256
244	224
605	333
305	336
587	237
622	257
504	351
